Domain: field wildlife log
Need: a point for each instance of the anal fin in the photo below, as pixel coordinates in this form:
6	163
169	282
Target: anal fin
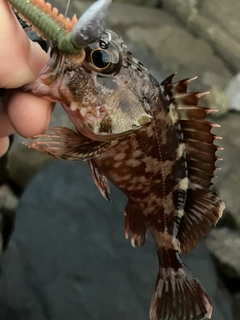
202	210
135	223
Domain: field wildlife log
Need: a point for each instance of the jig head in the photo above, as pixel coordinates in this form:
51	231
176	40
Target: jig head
91	24
89	27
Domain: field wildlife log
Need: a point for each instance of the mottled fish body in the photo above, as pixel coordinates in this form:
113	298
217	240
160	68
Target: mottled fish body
153	142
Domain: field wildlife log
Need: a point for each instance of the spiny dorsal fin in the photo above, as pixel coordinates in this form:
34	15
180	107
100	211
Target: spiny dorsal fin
202	208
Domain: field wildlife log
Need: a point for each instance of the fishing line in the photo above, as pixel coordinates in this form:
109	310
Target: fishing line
66	11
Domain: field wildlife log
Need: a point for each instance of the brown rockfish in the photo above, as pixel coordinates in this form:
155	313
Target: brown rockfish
153	142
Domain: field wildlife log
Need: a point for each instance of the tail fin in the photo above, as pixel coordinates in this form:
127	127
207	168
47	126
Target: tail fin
179	295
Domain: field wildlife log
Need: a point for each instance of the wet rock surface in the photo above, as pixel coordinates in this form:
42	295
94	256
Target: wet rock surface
209	20
68	257
227	182
149	3
224	244
236	306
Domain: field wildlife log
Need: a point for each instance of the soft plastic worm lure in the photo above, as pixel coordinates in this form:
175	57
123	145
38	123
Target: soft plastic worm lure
69	35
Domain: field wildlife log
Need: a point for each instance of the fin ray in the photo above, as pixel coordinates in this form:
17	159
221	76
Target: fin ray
202	211
201	208
135	223
178	294
64	143
100	180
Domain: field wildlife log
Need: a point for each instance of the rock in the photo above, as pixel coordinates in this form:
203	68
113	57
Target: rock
220	14
24	163
150	3
228	178
218	100
8	199
68	258
233	92
8	205
224	245
186	61
236	306
208	29
4	175
7	223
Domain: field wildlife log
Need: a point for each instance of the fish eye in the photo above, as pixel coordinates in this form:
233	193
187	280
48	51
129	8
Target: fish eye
100	58
104	61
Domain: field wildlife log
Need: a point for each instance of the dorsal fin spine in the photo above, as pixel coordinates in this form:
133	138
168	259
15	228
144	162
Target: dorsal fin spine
202	208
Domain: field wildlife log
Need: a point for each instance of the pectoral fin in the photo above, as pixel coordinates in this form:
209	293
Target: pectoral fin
64	143
102	136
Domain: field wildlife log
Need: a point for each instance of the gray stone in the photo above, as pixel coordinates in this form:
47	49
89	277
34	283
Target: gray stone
68	258
24	163
150	3
236	306
208	29
4	169
233	92
224	245
228	178
225	14
217	99
181	51
8	199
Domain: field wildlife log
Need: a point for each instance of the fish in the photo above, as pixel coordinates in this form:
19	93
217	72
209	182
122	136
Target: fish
151	140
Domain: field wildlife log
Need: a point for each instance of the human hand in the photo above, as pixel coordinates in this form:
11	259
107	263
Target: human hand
20	62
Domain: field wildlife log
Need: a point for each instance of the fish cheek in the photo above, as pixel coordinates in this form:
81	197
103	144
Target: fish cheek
128	112
107	82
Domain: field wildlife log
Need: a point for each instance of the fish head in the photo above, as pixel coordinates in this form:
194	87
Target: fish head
103	89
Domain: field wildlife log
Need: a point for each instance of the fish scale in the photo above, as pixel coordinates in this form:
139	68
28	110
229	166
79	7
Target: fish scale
151	140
